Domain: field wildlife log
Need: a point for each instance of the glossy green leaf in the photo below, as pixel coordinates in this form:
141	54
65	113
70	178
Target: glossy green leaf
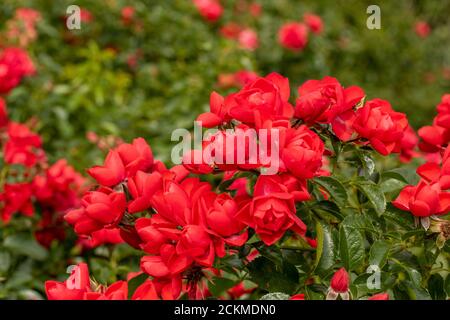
335	188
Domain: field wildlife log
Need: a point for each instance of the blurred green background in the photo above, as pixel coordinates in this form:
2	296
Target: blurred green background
84	82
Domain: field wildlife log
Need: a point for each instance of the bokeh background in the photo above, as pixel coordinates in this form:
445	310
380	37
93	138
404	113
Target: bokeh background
154	72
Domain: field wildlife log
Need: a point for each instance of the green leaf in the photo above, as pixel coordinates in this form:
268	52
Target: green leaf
392	185
402	174
5	261
325	253
373	192
436	287
275	296
335	188
401	218
135	282
25	245
272	277
351	247
378	253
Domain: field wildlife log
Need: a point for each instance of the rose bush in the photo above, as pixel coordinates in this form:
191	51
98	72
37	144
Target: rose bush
343	216
335	212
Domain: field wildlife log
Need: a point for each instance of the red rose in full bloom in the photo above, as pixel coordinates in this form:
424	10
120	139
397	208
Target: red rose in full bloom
261	100
326	101
423	200
271	211
99	209
123	161
74	288
382	126
142	187
293	36
136	156
196	244
302	152
314	23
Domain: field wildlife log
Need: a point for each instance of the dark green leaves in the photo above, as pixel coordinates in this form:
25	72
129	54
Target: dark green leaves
379	253
351	247
374	194
335	188
325	252
273	277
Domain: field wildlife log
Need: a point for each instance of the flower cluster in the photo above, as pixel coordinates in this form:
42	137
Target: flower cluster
431	196
183	225
292	35
27	179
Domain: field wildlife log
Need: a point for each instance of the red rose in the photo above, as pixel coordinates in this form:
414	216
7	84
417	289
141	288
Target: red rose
423	200
14	65
261	100
248	39
16	198
23	146
211	10
326	101
111	173
142	187
196	244
167	263
136	156
431	172
433	138
340	281
314	23
422	29
382	126
99	210
293	36
123	161
271	211
302	152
